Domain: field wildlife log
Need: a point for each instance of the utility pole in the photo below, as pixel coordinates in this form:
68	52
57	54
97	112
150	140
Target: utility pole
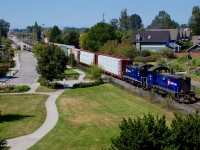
103	18
43	32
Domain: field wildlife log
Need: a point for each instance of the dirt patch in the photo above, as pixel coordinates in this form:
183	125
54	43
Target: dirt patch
93	118
70	101
94	104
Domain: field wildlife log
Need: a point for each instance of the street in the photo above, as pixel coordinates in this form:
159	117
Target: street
27	74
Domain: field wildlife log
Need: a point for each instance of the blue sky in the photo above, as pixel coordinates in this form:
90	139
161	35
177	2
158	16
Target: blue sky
86	13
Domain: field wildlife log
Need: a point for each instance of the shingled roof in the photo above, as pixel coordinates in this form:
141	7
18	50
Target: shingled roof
151	36
174	33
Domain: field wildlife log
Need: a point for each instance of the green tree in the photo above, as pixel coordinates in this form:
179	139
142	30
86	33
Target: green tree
114	23
126	50
51	62
127	36
82	41
47	32
135	22
142	133
152	132
36	32
71	60
55	35
3	144
124	21
185	132
194	21
71	37
4	28
109	48
95	72
98	35
163	21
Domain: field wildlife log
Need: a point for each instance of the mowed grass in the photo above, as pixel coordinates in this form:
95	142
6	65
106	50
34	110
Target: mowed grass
89	117
21	114
45	89
70	74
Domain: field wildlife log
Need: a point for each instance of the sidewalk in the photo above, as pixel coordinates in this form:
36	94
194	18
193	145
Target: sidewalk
13	71
25	142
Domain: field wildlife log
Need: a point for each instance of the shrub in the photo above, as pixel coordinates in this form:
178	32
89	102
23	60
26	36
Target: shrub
14	89
95	72
42	81
196	62
22	88
152	58
55	86
143	53
89	84
48	84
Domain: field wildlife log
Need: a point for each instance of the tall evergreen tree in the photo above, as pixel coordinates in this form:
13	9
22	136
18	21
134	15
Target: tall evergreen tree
163	21
124	21
4	28
55	35
36	32
194	21
135	22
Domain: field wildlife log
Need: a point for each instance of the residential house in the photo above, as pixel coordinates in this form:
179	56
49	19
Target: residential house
174	38
151	40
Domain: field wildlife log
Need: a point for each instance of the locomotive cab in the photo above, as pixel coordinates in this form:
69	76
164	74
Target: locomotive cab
137	73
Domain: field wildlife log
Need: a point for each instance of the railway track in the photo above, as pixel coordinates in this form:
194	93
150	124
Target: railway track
185	107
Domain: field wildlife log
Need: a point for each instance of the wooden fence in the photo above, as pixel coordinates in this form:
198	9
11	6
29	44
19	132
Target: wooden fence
194	55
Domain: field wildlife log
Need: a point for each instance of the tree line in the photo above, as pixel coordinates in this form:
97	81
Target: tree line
152	132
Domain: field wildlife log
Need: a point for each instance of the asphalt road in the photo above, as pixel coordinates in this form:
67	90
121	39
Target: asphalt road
27	74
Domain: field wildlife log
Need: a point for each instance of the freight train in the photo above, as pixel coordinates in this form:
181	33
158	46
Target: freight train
145	76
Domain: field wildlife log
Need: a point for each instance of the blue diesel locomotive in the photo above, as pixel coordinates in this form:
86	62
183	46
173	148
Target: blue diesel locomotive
160	79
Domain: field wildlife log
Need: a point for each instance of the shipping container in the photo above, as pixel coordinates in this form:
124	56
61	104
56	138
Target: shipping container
86	57
113	65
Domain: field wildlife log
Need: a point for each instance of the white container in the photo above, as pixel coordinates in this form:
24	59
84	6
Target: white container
110	64
86	58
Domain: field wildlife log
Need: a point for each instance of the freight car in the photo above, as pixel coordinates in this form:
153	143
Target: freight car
111	65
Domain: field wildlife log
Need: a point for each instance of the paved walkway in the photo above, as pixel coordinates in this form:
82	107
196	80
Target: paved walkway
25	142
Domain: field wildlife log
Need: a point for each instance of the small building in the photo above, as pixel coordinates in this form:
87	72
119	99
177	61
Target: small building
151	40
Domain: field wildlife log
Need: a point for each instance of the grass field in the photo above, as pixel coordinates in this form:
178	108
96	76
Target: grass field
21	114
89	117
45	89
70	75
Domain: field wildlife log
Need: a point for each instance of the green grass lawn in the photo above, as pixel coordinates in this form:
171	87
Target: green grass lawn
70	75
45	89
89	117
21	114
197	90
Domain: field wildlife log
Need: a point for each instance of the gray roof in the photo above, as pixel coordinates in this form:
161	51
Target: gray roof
196	40
154	68
195	48
151	36
174	33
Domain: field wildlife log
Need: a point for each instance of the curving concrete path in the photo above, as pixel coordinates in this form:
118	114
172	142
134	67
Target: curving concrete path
25	142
